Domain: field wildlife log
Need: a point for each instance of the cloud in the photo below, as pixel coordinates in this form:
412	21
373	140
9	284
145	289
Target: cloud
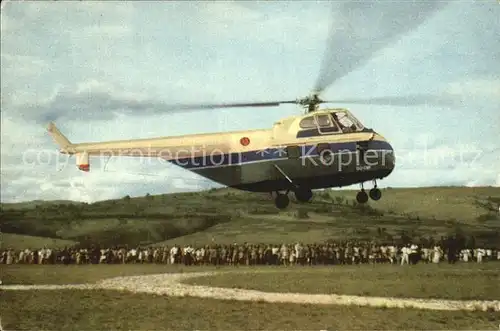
22	65
437	177
449	156
236	22
111	31
489	88
85	102
430	160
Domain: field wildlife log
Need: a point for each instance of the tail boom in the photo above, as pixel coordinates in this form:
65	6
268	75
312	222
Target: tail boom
167	148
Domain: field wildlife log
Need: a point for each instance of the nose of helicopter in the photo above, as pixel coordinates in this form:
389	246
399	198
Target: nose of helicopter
385	152
390	158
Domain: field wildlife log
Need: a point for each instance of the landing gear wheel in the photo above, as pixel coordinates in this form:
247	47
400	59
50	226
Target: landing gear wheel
362	197
282	201
375	194
303	195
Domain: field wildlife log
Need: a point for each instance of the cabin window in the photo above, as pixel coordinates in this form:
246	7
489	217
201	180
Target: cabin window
308	123
326	124
293	152
324	121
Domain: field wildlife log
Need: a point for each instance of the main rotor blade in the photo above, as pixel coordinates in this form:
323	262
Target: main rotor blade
361	28
175	107
444	100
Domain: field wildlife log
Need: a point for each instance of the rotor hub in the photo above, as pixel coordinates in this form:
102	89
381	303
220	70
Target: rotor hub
310	103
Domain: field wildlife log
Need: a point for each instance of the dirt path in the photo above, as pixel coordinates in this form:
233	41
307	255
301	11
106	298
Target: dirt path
170	284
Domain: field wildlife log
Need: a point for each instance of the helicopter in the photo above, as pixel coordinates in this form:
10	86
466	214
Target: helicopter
321	148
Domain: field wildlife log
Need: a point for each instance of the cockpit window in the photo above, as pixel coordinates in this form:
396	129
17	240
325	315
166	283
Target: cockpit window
334	122
308	123
346	122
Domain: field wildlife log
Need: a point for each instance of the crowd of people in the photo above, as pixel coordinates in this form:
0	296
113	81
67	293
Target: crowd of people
255	254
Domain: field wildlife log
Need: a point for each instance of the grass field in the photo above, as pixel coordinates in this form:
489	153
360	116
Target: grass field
74	274
455	282
204	216
464	281
114	310
109	310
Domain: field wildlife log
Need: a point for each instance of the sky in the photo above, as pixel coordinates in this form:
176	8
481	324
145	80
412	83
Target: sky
108	70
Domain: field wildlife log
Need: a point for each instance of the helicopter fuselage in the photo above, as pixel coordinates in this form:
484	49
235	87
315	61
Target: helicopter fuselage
314	162
313	151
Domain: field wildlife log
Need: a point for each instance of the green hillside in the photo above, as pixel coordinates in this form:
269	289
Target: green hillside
19	242
35	203
227	215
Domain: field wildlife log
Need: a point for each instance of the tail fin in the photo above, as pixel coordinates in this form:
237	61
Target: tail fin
60	139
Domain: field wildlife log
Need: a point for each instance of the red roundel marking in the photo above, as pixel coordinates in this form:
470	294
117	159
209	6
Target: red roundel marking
245	141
